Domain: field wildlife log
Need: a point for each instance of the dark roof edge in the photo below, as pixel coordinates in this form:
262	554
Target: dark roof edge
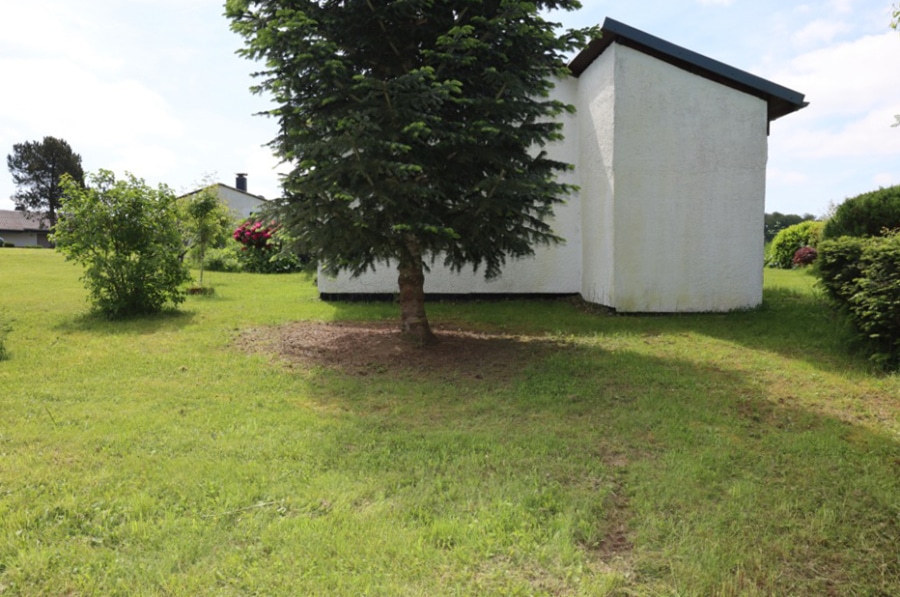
781	100
222	184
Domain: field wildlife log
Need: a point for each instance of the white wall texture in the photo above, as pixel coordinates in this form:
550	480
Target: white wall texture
240	203
690	165
671	169
20	239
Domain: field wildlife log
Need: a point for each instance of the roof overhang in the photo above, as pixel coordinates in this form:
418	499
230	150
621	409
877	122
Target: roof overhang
781	101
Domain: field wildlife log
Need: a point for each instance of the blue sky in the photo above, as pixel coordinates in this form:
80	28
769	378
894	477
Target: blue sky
153	87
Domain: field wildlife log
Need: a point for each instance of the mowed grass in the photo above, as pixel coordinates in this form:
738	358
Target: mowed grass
748	453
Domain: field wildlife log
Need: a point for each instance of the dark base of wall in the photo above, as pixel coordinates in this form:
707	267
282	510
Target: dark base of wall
384	297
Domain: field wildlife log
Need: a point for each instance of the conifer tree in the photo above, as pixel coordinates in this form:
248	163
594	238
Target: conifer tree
413	130
37	168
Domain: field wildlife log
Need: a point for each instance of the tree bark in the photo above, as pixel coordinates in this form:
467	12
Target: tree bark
413	320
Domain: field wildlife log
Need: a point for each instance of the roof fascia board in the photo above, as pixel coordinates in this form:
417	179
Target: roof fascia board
781	100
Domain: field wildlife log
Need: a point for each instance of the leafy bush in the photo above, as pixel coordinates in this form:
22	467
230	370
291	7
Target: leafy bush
805	256
838	267
775	222
223	259
262	250
792	238
126	236
869	214
862	277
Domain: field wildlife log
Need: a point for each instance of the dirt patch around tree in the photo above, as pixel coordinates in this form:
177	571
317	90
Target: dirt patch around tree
364	348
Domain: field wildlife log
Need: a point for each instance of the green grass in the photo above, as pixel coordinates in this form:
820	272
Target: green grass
741	454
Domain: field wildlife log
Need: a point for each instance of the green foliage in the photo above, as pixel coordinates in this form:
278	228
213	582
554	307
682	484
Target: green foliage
37	168
263	249
411	127
223	259
786	242
869	214
206	223
775	222
126	235
862	277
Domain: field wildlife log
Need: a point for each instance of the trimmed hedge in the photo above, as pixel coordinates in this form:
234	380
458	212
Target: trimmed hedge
862	277
869	214
789	240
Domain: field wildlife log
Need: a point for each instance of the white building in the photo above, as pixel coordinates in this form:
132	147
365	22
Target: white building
670	151
241	202
23	230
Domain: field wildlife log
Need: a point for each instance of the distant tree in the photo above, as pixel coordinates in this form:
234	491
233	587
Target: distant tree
775	222
126	236
413	129
37	168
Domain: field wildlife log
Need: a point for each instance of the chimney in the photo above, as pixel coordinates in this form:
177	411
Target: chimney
240	182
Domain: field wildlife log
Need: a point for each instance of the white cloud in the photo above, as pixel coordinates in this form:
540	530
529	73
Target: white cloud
59	96
818	32
885	179
715	2
846	79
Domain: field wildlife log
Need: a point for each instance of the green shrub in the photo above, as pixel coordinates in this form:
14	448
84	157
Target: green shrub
862	277
126	235
786	243
224	259
838	267
262	248
869	214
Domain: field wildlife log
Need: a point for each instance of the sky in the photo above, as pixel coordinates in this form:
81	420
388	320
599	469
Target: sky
154	87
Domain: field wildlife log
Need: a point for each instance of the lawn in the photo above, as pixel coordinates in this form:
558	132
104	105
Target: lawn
750	453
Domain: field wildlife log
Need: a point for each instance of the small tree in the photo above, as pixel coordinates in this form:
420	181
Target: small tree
37	167
125	233
206	223
414	130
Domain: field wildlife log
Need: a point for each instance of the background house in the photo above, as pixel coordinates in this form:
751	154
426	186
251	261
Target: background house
23	230
670	151
241	202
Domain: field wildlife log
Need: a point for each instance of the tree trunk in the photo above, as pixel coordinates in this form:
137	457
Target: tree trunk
413	320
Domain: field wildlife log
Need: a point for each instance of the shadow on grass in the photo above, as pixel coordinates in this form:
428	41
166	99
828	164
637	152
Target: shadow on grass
799	325
722	487
168	320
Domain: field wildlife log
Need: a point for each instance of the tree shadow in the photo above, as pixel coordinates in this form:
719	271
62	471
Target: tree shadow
683	461
95	323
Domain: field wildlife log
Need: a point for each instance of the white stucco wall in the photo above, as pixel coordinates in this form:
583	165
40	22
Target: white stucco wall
596	116
552	270
242	204
690	163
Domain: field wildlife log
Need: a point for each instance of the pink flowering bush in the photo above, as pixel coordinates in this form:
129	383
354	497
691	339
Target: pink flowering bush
261	250
255	235
804	256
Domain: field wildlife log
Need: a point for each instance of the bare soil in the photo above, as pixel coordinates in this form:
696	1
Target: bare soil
364	348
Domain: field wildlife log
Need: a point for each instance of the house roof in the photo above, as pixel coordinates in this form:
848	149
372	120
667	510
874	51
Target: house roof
781	100
19	221
221	184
